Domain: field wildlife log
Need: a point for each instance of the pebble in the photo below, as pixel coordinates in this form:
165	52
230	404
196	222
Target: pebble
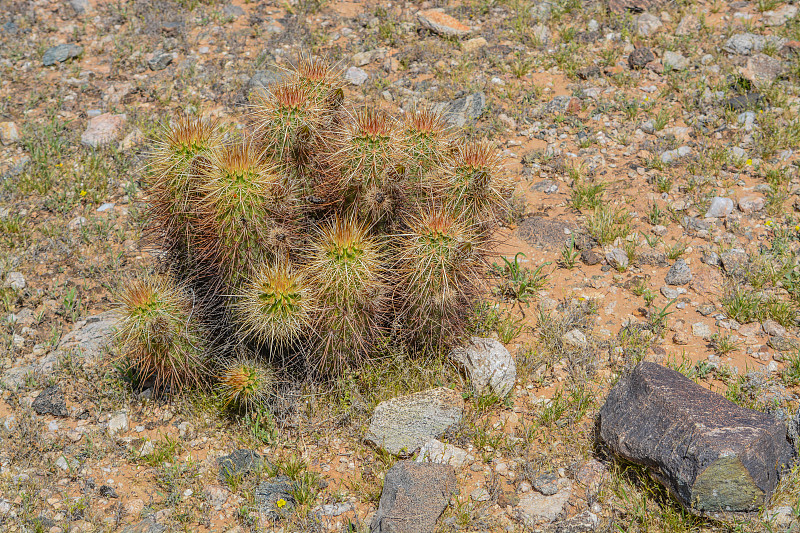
15	281
8	133
103	129
702	330
118	424
61	53
675	59
719	208
356	76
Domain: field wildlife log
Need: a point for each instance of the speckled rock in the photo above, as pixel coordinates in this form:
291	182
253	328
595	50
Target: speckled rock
402	425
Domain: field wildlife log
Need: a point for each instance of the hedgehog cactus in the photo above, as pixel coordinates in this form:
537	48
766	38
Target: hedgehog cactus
318	235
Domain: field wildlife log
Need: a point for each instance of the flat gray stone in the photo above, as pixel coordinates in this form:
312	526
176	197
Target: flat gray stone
414	497
402	425
490	366
356	76
61	53
546	232
435	451
713	455
462	110
274	497
749	43
675	59
86	341
160	60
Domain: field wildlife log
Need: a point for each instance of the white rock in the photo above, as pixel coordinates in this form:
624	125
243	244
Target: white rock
118	424
699	329
356	76
719	208
8	133
435	451
575	339
14	280
489	364
535	507
61	462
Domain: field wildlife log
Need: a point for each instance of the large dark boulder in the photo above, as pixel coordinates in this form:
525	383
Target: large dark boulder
414	497
710	453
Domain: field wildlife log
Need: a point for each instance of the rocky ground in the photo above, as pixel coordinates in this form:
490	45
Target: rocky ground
656	212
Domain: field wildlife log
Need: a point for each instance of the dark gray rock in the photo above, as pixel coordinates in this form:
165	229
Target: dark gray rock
546	483
402	425
414	497
274	497
61	53
160	60
590	257
462	110
678	274
239	463
50	402
585	522
710	453
640	57
107	492
742	102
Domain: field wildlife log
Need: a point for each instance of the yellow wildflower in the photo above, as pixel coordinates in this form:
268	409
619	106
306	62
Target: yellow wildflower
748	162
83	193
280	503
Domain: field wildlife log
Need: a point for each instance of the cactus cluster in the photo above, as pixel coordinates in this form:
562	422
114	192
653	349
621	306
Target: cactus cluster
317	233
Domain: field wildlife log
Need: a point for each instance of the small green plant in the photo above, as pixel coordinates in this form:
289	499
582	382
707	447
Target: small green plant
607	223
569	254
587	195
519	283
655	215
675	251
163	451
791	374
724	344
